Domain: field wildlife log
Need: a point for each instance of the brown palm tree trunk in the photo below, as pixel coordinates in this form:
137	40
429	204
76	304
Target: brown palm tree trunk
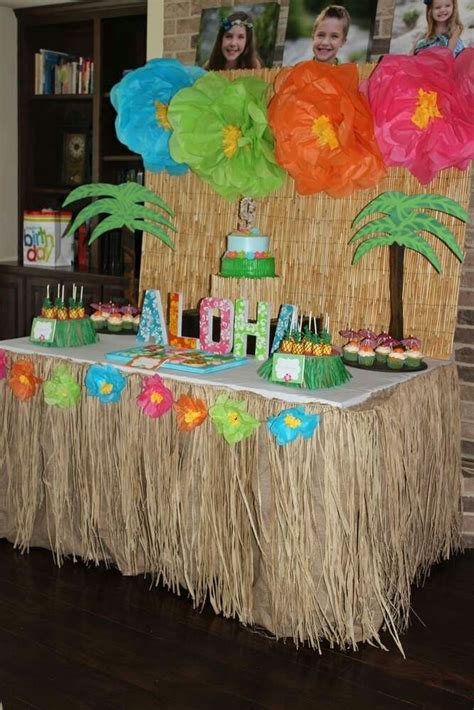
397	254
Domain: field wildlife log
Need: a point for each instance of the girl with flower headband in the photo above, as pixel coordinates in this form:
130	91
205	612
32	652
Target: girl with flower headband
444	27
234	47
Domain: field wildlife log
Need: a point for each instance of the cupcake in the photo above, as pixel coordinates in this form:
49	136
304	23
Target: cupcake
396	359
414	358
136	323
350	351
382	353
366	356
98	320
127	322
114	323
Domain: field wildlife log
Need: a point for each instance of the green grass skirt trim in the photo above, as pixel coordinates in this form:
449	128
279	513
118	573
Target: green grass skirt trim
72	334
319	372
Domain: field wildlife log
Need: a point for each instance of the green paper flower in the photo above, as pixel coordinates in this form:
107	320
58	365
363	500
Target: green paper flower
61	390
231	420
220	130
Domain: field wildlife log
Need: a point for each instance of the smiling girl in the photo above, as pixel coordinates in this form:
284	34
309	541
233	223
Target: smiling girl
444	27
234	47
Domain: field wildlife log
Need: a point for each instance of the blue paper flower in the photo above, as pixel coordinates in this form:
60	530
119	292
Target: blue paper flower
292	423
105	382
141	100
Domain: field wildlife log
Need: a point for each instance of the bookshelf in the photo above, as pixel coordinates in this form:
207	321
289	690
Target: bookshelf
112	34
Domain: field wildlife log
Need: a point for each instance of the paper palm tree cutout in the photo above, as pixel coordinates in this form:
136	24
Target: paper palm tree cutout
400	229
124	206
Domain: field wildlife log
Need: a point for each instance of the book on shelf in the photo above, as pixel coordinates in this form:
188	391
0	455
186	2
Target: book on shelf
62	73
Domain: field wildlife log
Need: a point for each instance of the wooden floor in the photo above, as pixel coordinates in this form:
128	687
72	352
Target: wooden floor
86	637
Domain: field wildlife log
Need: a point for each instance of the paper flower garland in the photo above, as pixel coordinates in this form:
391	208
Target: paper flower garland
3	364
155	399
141	100
324	130
220	130
23	381
105	382
292	423
62	390
190	412
420	115
231	419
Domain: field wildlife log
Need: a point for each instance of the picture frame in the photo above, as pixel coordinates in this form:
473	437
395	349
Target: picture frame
264	18
75	157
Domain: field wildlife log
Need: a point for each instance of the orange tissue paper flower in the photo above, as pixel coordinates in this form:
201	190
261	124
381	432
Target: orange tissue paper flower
190	412
22	380
324	130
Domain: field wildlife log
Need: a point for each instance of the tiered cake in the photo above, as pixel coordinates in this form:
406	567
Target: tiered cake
247	255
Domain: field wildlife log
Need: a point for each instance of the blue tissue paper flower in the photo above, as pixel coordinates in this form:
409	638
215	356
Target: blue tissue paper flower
292	423
141	100
105	382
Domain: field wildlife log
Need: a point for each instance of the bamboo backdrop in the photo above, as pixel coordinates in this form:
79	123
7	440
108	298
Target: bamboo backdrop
309	238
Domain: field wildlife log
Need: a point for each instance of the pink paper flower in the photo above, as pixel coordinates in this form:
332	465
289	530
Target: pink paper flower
3	364
420	116
155	399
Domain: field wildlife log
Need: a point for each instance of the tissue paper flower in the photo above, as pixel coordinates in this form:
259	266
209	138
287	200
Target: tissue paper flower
3	364
155	399
231	420
292	423
421	122
220	130
61	390
324	129
22	380
105	382
190	412
141	100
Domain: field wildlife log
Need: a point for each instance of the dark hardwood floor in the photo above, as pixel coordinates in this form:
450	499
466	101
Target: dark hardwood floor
86	637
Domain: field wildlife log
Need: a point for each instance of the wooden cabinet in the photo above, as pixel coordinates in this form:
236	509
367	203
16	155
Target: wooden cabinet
112	34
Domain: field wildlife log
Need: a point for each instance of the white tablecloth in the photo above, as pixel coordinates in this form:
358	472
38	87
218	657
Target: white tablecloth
244	378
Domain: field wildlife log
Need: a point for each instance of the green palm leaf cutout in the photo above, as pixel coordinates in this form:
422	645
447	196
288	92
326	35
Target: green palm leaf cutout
142	212
111	222
106	206
383	224
97	189
416	243
386	202
438	203
154	230
366	246
427	223
124	205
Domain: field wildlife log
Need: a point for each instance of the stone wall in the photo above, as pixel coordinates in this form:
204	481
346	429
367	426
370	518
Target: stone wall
464	354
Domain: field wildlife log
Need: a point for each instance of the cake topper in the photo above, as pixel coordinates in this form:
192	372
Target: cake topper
247	210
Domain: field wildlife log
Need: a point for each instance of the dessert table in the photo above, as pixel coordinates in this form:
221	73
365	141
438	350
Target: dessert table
318	539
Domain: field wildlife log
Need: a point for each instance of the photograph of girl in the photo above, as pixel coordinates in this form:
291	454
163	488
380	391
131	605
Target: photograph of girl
239	37
421	25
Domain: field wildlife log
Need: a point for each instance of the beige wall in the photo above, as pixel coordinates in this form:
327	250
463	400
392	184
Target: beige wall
8	136
154	39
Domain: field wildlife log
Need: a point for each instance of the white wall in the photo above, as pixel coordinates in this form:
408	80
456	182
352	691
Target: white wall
8	136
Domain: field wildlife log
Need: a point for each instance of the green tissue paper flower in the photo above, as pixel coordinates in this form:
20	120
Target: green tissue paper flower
220	130
61	390
231	420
